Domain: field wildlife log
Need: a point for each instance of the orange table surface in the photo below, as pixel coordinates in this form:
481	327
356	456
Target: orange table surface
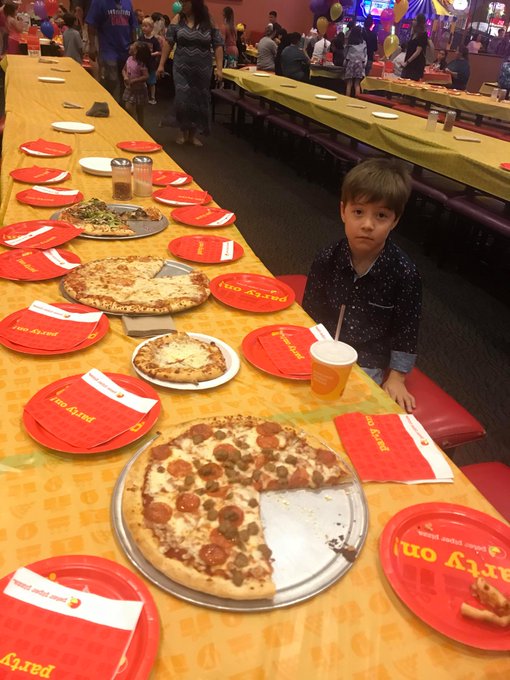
56	504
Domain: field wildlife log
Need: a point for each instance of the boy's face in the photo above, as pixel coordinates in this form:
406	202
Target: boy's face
367	226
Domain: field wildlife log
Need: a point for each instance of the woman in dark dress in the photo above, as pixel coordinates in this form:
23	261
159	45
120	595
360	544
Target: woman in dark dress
414	64
194	36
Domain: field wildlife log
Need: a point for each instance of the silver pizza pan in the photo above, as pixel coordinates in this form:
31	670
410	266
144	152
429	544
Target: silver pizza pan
141	227
170	268
315	537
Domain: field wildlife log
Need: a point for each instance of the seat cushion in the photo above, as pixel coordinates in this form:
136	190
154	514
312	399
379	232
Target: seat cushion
447	422
337	147
229	96
284	123
297	282
491	212
252	107
436	187
493	481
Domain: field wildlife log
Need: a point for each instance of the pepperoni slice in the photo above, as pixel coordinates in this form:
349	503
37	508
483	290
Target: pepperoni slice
299	479
232	514
157	512
227	448
212	554
176	553
210	471
161	452
326	457
187	502
268	441
219	539
179	468
200	431
268	428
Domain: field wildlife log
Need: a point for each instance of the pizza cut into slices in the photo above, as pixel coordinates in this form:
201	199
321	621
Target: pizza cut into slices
179	357
192	502
97	218
130	285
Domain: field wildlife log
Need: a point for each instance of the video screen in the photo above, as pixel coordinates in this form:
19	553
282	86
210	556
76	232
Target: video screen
375	7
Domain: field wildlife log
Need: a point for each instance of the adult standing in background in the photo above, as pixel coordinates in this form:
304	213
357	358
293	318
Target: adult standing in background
14	27
370	37
267	50
114	23
414	64
231	51
194	35
273	22
321	48
475	45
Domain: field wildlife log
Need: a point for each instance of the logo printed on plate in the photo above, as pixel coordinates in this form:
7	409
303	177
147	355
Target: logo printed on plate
178	196
41	234
206	248
197	216
36	265
252	292
37	175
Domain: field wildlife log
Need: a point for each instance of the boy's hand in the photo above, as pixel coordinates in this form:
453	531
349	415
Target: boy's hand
396	388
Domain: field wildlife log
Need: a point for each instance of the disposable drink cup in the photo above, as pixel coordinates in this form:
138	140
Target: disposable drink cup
331	365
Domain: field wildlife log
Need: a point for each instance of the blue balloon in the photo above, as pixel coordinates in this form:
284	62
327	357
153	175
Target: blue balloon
47	29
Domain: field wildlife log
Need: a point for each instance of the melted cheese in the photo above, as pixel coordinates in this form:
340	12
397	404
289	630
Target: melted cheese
189	354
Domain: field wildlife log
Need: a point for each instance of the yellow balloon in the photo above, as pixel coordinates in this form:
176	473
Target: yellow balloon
322	24
400	9
336	11
390	44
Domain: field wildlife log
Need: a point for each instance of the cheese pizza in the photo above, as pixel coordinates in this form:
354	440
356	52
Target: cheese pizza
130	285
191	503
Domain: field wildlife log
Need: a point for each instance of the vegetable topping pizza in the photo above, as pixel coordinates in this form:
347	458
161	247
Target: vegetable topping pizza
191	503
96	218
130	285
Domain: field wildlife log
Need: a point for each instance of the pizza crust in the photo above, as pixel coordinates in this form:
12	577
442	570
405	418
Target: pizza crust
178	357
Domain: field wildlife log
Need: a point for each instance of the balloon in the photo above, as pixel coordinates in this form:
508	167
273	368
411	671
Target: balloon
331	31
400	9
390	45
176	7
387	15
317	6
322	24
51	7
336	11
47	29
40	9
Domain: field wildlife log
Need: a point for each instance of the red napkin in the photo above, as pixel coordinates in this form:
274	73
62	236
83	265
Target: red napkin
89	411
289	350
50	328
56	630
44	147
505	166
36	265
391	447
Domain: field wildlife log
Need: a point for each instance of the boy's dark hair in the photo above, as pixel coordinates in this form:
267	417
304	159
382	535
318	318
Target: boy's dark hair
273	13
379	180
355	36
294	38
69	19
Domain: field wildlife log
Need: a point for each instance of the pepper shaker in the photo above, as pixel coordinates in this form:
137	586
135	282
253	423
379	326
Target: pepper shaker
121	179
449	121
142	176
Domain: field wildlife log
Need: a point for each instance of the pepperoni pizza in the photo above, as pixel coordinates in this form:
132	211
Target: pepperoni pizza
191	503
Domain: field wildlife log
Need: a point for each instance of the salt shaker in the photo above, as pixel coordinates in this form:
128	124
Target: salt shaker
121	179
449	121
432	120
495	93
142	176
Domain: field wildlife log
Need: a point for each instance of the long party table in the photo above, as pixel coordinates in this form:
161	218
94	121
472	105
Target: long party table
60	504
476	165
470	102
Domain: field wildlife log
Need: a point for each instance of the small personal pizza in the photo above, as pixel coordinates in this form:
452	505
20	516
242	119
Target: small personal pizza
128	285
191	503
178	357
96	218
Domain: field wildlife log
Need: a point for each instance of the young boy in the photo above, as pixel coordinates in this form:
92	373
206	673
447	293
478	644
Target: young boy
367	272
73	45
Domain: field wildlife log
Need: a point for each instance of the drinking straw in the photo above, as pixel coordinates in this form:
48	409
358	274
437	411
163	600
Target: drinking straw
340	321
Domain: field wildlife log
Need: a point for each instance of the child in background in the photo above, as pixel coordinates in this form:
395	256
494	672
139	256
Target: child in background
136	74
155	49
377	282
73	44
355	60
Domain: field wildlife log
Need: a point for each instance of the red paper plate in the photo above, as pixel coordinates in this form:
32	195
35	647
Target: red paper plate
43	199
196	216
42	147
100	331
206	248
108	579
33	265
431	554
37	175
163	178
178	196
140	146
252	292
505	166
138	387
257	355
60	232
